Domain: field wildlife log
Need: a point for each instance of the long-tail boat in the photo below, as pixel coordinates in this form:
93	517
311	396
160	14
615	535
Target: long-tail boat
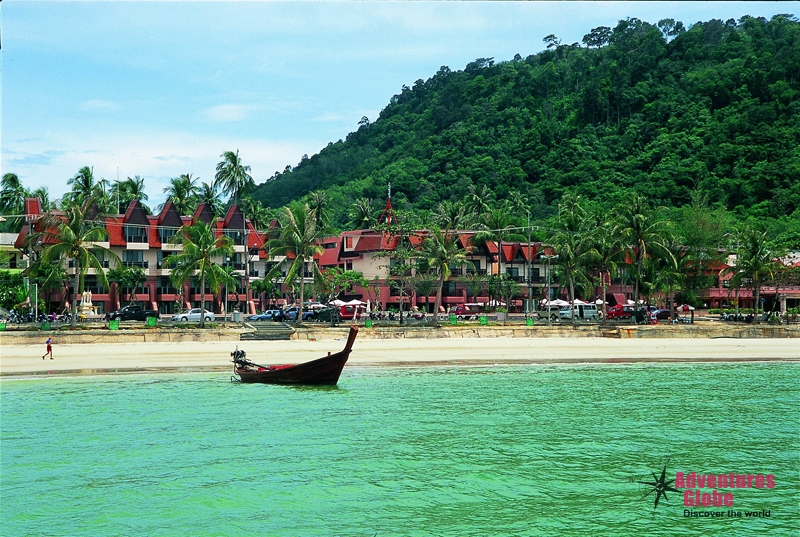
322	371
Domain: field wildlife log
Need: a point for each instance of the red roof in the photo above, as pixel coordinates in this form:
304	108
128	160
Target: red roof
116	236
33	206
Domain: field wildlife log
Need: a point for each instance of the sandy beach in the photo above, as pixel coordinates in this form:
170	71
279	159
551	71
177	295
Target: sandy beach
76	359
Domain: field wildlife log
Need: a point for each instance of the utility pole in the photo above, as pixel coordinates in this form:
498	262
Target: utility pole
528	308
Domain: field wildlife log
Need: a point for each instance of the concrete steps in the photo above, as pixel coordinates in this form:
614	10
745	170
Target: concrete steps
268	331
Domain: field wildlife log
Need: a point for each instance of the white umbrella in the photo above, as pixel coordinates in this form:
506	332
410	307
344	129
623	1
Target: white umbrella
578	301
599	301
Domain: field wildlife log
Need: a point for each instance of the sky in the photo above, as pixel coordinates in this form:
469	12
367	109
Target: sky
158	89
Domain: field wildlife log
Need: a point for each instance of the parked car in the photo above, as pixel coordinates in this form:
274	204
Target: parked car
553	312
462	312
132	312
267	315
291	314
192	315
620	311
587	312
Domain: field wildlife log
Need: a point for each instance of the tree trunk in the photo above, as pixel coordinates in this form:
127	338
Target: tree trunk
203	300
299	318
757	297
438	301
572	298
75	292
603	298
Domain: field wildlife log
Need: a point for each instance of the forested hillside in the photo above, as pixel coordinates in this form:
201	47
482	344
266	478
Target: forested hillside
661	110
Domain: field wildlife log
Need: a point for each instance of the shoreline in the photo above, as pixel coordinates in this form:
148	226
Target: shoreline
80	359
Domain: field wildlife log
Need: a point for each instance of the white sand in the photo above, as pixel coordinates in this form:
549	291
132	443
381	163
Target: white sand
120	357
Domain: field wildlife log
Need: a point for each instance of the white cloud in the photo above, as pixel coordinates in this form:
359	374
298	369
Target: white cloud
99	105
156	156
229	112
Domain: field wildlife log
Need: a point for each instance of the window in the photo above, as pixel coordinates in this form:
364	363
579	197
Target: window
348	265
162	257
348	242
236	235
135	234
133	258
165	287
329	245
166	233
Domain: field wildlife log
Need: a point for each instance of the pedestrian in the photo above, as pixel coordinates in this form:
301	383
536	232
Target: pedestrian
49	348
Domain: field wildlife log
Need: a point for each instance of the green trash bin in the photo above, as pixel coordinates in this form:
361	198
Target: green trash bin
151	321
368	323
529	322
2	327
113	324
45	325
484	320
453	320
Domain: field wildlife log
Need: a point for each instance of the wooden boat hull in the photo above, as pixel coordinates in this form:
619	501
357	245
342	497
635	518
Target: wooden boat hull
322	371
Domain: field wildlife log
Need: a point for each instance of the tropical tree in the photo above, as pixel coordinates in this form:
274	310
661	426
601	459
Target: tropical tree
602	255
362	214
12	199
570	243
477	201
451	215
639	230
73	236
424	284
270	288
318	202
182	193
44	198
208	194
201	247
440	251
258	215
127	277
49	277
496	226
124	192
299	237
475	283
84	186
755	262
233	177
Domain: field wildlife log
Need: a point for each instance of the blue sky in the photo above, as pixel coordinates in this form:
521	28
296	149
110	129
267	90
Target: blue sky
158	89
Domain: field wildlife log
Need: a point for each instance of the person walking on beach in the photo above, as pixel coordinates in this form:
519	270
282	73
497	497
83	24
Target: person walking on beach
49	348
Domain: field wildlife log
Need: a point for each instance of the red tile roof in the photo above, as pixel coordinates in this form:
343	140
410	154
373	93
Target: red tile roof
116	237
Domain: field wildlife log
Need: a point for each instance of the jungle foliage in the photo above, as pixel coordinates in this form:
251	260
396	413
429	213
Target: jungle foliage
659	110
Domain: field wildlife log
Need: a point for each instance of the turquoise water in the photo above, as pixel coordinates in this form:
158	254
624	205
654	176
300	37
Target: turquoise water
523	450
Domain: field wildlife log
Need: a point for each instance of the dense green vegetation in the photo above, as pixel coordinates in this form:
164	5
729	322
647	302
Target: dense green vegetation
652	109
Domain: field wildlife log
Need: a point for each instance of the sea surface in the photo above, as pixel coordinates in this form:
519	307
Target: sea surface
425	451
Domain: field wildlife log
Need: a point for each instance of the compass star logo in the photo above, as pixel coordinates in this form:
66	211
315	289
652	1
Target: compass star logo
660	486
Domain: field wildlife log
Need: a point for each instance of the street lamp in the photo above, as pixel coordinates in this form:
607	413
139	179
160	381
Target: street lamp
547	258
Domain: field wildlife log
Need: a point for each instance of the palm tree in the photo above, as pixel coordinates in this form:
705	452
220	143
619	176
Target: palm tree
44	197
362	214
73	236
755	262
207	193
12	199
496	227
233	178
83	186
181	192
318	202
602	255
298	236
477	201
440	251
671	267
258	215
124	192
451	215
200	248
639	230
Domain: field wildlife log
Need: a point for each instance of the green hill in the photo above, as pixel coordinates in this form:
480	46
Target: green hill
656	109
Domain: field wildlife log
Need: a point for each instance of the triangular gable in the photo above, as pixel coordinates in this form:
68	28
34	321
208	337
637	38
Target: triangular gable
509	252
234	219
203	213
136	214
169	216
